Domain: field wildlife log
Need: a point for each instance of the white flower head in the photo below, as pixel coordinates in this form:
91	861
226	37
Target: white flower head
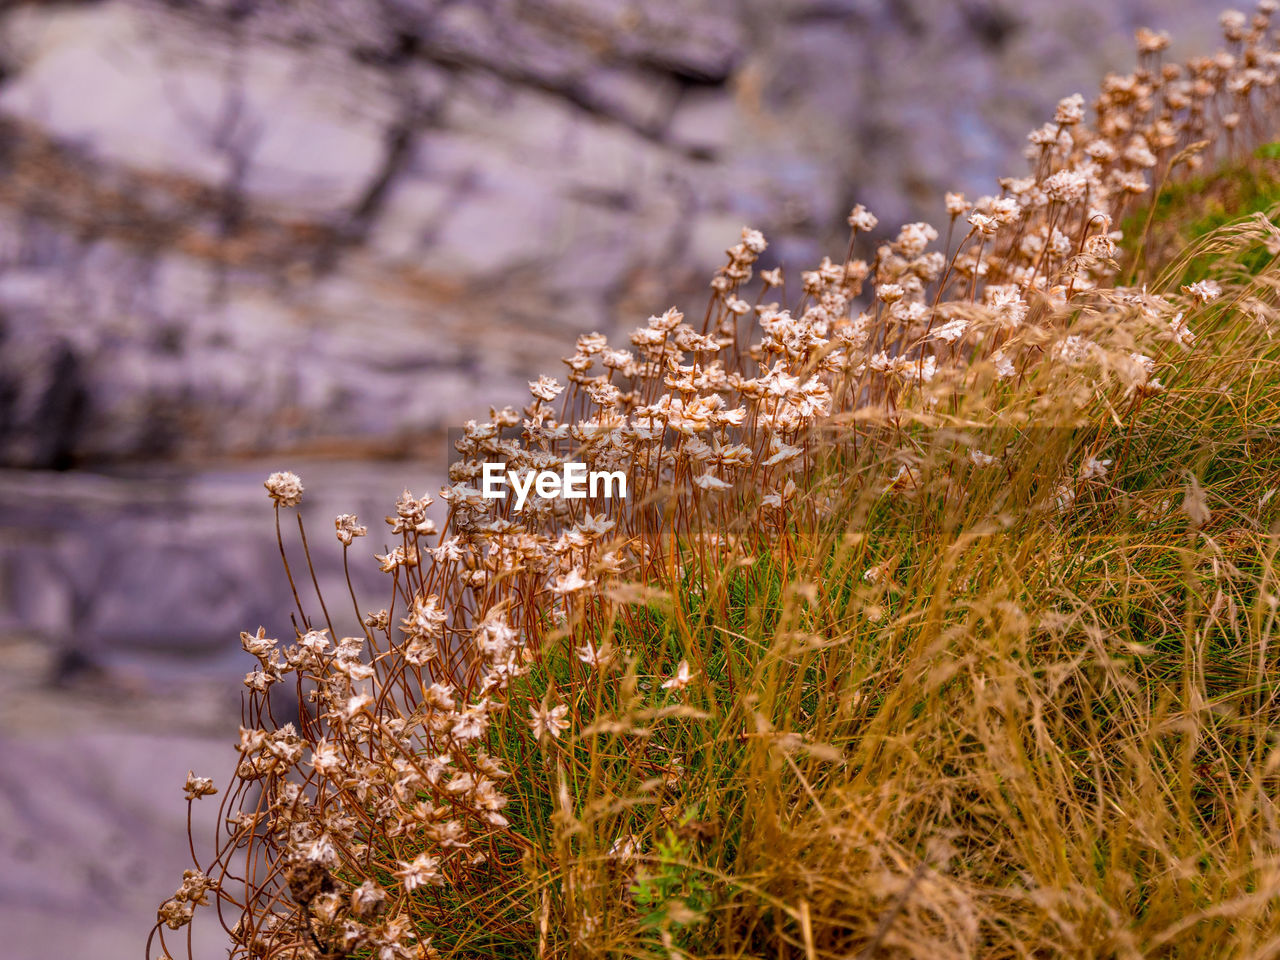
753	240
1093	469
545	388
571	582
862	219
951	331
709	481
545	721
1205	291
423	870
197	787
681	678
1180	332
596	656
284	488
890	292
348	528
1070	110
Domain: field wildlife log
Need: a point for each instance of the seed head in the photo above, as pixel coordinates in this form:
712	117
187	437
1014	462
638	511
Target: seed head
863	220
552	721
197	787
348	528
284	488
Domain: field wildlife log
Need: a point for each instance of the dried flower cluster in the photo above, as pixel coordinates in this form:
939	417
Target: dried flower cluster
367	818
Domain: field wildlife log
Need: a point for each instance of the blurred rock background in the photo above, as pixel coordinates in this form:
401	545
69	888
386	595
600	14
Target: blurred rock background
241	235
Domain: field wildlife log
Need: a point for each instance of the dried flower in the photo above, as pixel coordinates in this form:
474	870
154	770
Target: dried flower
571	582
548	721
545	388
1093	469
348	528
197	787
1205	291
680	679
284	488
1070	110
422	871
862	220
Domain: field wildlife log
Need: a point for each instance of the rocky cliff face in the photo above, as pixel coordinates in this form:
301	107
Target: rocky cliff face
231	226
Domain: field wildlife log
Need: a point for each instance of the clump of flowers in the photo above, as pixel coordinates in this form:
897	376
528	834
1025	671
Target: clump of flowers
378	806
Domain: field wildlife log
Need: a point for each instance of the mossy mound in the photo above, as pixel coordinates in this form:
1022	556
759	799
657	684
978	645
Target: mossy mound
1188	210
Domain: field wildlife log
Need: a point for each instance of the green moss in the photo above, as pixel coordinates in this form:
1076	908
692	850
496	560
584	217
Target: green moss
1187	210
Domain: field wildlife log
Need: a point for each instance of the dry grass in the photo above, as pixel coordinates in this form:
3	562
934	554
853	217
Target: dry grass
937	621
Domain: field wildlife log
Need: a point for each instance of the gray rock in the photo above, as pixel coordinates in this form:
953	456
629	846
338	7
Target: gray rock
193	109
704	122
445	169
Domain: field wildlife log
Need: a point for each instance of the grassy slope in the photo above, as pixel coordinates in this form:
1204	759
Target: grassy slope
1033	733
1188	210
